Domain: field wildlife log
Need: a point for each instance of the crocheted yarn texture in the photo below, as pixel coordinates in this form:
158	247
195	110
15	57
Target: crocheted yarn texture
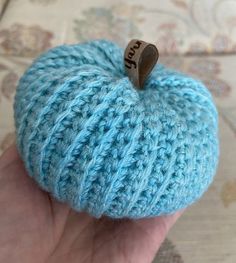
92	140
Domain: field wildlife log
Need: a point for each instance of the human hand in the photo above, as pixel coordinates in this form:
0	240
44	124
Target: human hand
34	227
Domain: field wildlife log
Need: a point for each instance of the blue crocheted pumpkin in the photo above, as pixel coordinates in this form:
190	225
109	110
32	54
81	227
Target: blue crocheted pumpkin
92	140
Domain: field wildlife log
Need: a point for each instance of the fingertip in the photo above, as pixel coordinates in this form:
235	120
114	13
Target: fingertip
9	155
170	220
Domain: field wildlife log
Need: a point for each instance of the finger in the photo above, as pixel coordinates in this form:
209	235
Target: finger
158	227
168	221
9	156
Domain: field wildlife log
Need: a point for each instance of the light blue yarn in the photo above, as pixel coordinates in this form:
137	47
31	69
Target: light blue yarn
87	136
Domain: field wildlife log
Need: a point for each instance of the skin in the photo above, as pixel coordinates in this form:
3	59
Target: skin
34	227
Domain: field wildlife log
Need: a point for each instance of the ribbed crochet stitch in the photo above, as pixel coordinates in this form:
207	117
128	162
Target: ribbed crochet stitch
92	140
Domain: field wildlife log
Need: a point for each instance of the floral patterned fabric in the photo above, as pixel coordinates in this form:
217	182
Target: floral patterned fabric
177	26
196	37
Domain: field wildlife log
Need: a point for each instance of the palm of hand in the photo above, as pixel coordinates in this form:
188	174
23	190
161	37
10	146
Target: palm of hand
36	228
